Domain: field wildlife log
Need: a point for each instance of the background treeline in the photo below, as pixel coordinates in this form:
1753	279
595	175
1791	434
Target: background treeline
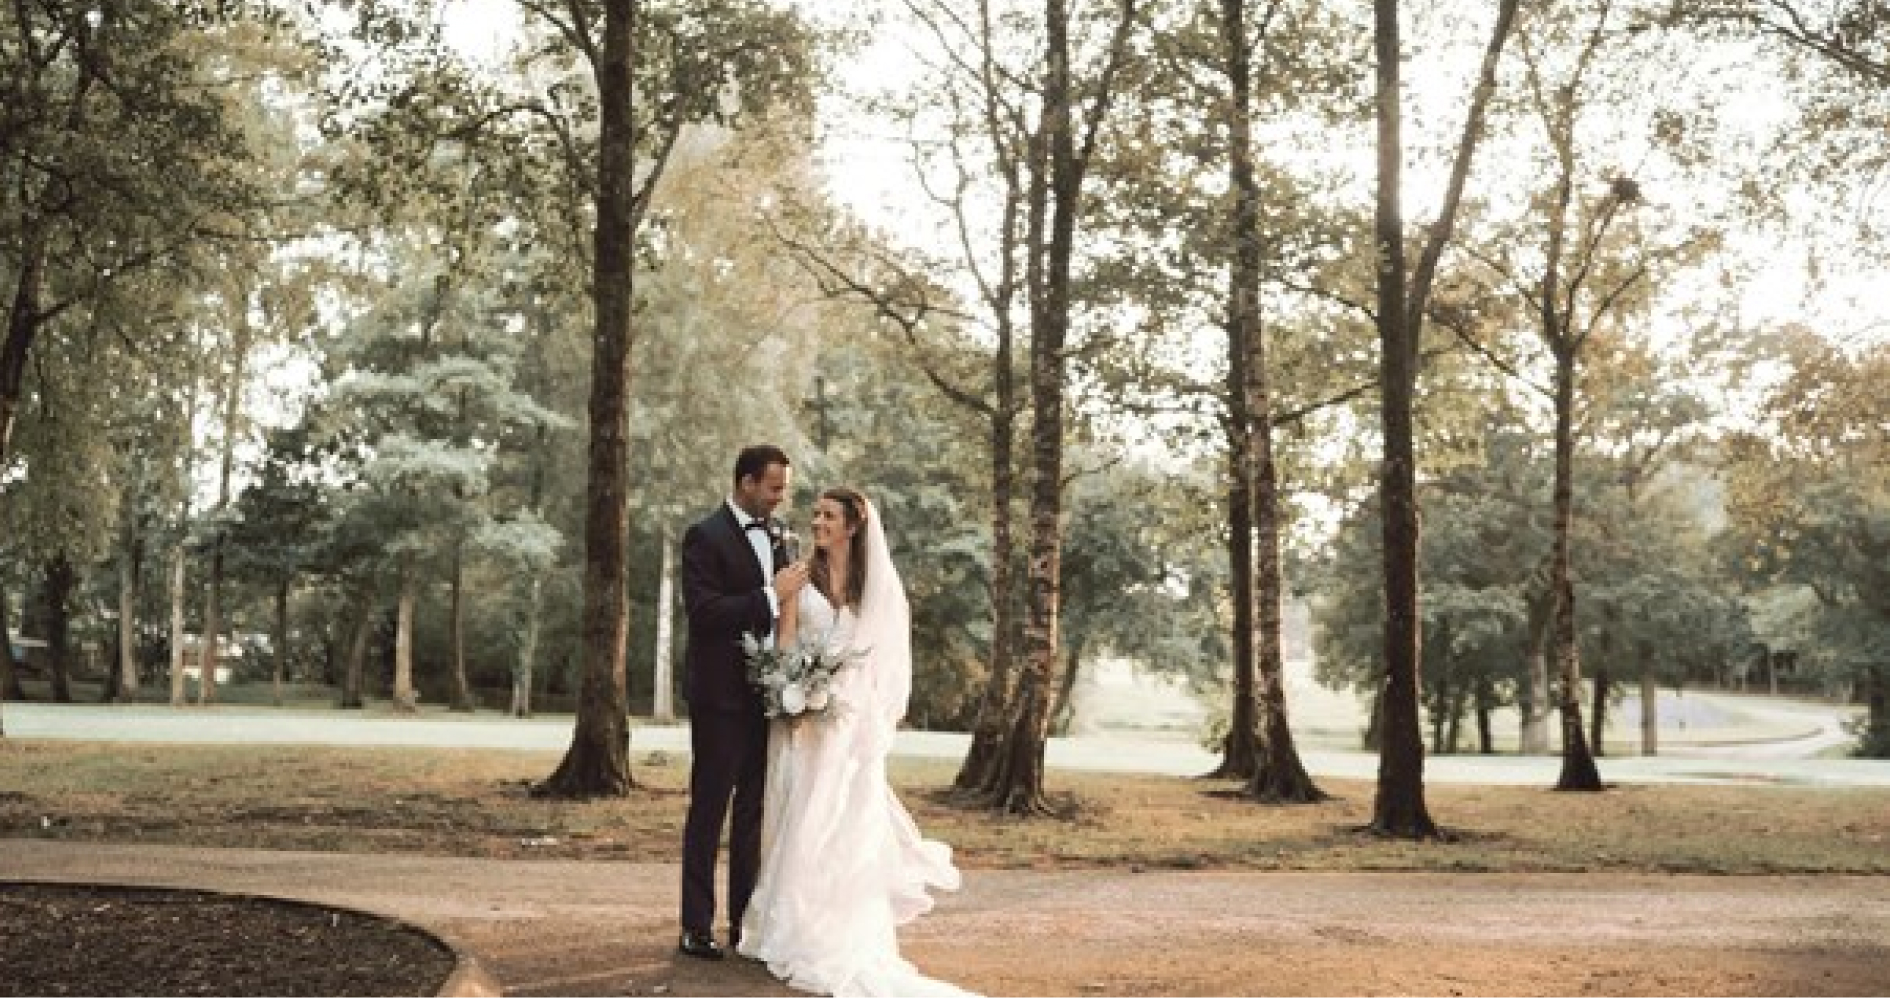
299	343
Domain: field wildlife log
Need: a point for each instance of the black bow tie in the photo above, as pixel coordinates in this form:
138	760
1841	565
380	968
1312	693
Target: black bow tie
761	525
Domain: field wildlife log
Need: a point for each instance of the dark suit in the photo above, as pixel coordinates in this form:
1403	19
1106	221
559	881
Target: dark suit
723	593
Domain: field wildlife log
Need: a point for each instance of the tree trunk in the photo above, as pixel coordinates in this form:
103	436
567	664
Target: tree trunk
406	701
282	640
10	688
351	682
1876	740
1598	723
1240	749
527	650
1062	711
1439	718
1398	808
663	706
207	650
1456	705
1056	185
60	580
978	772
333	640
232	411
1486	703
1650	709
1281	776
1578	765
178	697
1275	772
598	761
462	689
523	669
1246	401
1372	739
125	669
23	320
1533	705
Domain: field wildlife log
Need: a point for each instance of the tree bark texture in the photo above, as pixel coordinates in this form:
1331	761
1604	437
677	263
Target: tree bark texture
406	700
1019	785
598	761
1398	807
462	689
353	675
59	583
178	693
1578	764
663	682
1278	775
280	667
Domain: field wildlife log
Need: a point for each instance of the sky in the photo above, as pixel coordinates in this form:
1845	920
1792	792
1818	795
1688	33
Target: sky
867	170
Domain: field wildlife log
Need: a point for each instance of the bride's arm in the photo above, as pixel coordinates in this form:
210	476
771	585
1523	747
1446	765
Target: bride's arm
789	625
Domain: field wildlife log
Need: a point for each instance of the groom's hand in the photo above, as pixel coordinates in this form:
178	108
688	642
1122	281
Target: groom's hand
789	580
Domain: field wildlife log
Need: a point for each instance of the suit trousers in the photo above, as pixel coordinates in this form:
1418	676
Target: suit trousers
729	762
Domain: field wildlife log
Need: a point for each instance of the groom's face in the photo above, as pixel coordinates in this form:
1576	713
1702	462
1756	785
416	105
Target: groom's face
760	495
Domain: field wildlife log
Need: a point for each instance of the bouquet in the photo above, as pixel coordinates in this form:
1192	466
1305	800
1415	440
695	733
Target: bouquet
796	682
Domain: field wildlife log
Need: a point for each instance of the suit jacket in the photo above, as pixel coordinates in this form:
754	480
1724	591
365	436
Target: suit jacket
723	596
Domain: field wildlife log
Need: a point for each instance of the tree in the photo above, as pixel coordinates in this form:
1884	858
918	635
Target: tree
1141	575
1601	254
1059	159
1810	514
1398	808
60	512
597	763
423	390
1646	420
278	519
92	201
1847	33
1278	774
983	100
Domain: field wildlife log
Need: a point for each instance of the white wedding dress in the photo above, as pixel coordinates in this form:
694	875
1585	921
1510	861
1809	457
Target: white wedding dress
842	863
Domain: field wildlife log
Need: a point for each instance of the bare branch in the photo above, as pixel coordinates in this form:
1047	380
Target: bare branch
1439	232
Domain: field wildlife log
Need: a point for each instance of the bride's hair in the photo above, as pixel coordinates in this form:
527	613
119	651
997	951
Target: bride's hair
853	503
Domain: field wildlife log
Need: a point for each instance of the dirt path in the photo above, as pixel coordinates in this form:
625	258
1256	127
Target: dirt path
568	928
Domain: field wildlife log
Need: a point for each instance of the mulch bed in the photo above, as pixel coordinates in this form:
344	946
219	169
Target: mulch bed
60	939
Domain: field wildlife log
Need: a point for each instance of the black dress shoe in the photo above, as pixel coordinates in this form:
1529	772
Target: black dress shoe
701	945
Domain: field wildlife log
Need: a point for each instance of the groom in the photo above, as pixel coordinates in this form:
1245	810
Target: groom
736	572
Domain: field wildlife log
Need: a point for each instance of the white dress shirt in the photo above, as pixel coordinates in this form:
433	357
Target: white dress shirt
759	541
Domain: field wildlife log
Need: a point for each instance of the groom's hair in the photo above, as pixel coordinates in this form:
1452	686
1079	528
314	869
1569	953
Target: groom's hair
753	461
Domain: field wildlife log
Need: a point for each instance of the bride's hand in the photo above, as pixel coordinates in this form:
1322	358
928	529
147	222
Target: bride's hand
788	581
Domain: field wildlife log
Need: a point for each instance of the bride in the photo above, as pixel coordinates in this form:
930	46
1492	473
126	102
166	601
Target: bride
842	863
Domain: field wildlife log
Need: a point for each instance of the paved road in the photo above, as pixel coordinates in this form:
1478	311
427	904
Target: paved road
1777	754
553	927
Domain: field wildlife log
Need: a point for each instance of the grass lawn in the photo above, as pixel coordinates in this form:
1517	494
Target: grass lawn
475	803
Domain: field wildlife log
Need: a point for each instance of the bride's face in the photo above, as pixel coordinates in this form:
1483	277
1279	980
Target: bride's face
830	525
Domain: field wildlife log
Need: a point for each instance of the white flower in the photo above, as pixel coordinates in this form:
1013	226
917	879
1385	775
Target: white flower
793	699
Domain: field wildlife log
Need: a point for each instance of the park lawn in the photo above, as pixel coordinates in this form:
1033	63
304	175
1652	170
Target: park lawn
474	802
